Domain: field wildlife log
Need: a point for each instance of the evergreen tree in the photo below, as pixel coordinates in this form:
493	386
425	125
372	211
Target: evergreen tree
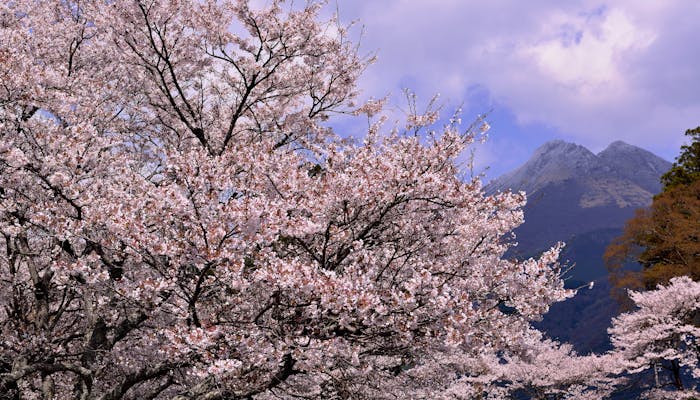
686	169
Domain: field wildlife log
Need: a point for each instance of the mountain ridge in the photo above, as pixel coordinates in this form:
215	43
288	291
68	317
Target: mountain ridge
584	200
617	165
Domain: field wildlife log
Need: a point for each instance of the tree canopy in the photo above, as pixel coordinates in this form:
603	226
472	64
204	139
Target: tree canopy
181	222
665	238
686	168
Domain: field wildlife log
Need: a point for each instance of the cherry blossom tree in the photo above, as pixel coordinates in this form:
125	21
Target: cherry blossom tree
545	369
662	336
180	222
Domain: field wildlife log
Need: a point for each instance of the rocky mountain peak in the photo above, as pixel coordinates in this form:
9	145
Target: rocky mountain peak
558	146
620	145
621	149
558	155
570	190
622	173
554	161
625	161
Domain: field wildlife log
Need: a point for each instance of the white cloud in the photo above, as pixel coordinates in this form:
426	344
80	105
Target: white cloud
584	52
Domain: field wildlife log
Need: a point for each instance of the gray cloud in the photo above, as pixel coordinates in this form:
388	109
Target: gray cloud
593	72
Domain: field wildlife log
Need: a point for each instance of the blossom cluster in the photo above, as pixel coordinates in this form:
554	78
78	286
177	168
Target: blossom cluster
180	222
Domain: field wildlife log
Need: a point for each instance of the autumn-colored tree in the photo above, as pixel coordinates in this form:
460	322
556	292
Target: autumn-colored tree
665	238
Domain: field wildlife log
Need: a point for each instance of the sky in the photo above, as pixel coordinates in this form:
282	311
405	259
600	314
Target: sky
587	72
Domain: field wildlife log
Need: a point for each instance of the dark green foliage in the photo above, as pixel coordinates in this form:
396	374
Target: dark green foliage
686	169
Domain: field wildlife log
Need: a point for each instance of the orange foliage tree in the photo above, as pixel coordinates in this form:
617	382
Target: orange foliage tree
665	238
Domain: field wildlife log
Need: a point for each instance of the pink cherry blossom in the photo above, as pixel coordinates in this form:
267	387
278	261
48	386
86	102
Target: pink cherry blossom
181	222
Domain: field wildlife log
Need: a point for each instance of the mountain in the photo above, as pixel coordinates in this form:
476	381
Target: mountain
584	200
572	191
559	161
